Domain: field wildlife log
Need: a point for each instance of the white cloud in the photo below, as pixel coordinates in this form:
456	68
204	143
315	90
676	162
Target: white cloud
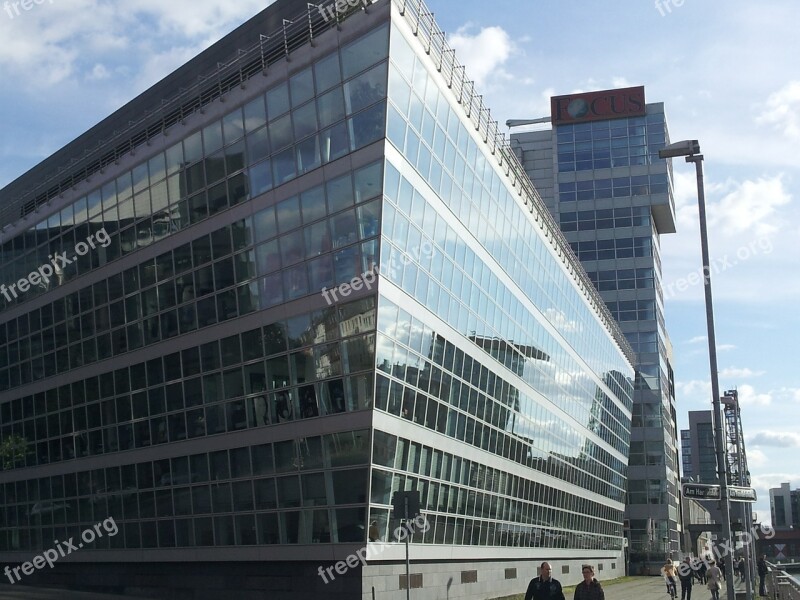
749	396
733	207
756	458
46	46
98	72
726	347
786	394
694	392
483	54
734	373
698	391
748	206
780	439
782	110
697	339
620	82
751	238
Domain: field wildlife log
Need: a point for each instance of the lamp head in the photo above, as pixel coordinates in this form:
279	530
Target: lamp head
682	148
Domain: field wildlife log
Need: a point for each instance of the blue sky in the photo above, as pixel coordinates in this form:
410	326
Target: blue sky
726	71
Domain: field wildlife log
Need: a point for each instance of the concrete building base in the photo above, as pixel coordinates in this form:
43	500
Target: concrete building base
430	580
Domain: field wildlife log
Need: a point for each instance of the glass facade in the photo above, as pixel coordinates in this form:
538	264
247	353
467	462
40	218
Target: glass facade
488	279
322	113
605	144
308	365
612	196
193	380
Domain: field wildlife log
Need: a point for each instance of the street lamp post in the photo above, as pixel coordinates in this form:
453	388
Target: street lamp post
691	150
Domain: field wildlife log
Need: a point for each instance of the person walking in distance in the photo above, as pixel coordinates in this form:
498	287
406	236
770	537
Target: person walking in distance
589	588
714	576
762	575
668	571
701	571
686	575
544	587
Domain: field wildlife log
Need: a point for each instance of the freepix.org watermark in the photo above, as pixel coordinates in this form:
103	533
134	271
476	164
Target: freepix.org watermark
719	552
373	549
62	549
368	278
13	8
338	8
718	265
41	276
664	7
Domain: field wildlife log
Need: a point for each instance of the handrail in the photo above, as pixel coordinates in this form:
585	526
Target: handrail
782	585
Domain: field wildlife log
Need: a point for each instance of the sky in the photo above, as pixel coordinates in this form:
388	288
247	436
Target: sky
726	71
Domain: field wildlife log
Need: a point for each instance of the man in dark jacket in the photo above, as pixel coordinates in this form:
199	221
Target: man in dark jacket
544	587
589	588
762	575
686	574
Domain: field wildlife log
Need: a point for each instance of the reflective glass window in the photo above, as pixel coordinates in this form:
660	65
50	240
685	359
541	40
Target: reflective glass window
327	72
365	51
277	100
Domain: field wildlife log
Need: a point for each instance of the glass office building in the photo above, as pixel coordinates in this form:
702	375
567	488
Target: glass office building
598	170
316	277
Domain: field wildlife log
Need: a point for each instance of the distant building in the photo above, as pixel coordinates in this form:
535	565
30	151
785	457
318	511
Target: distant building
698	452
687	471
699	456
784	507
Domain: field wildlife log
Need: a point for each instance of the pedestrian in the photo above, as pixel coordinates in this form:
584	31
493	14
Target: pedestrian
740	568
714	575
701	571
762	575
668	571
722	567
589	588
544	587
686	575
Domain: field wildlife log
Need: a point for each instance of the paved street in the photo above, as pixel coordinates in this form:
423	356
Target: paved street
649	588
652	588
639	588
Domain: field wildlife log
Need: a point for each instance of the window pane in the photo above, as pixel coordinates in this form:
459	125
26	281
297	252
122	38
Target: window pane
327	72
365	51
302	87
330	107
254	114
277	101
365	89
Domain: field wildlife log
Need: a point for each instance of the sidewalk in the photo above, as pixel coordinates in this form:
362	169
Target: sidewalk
648	588
652	588
636	588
